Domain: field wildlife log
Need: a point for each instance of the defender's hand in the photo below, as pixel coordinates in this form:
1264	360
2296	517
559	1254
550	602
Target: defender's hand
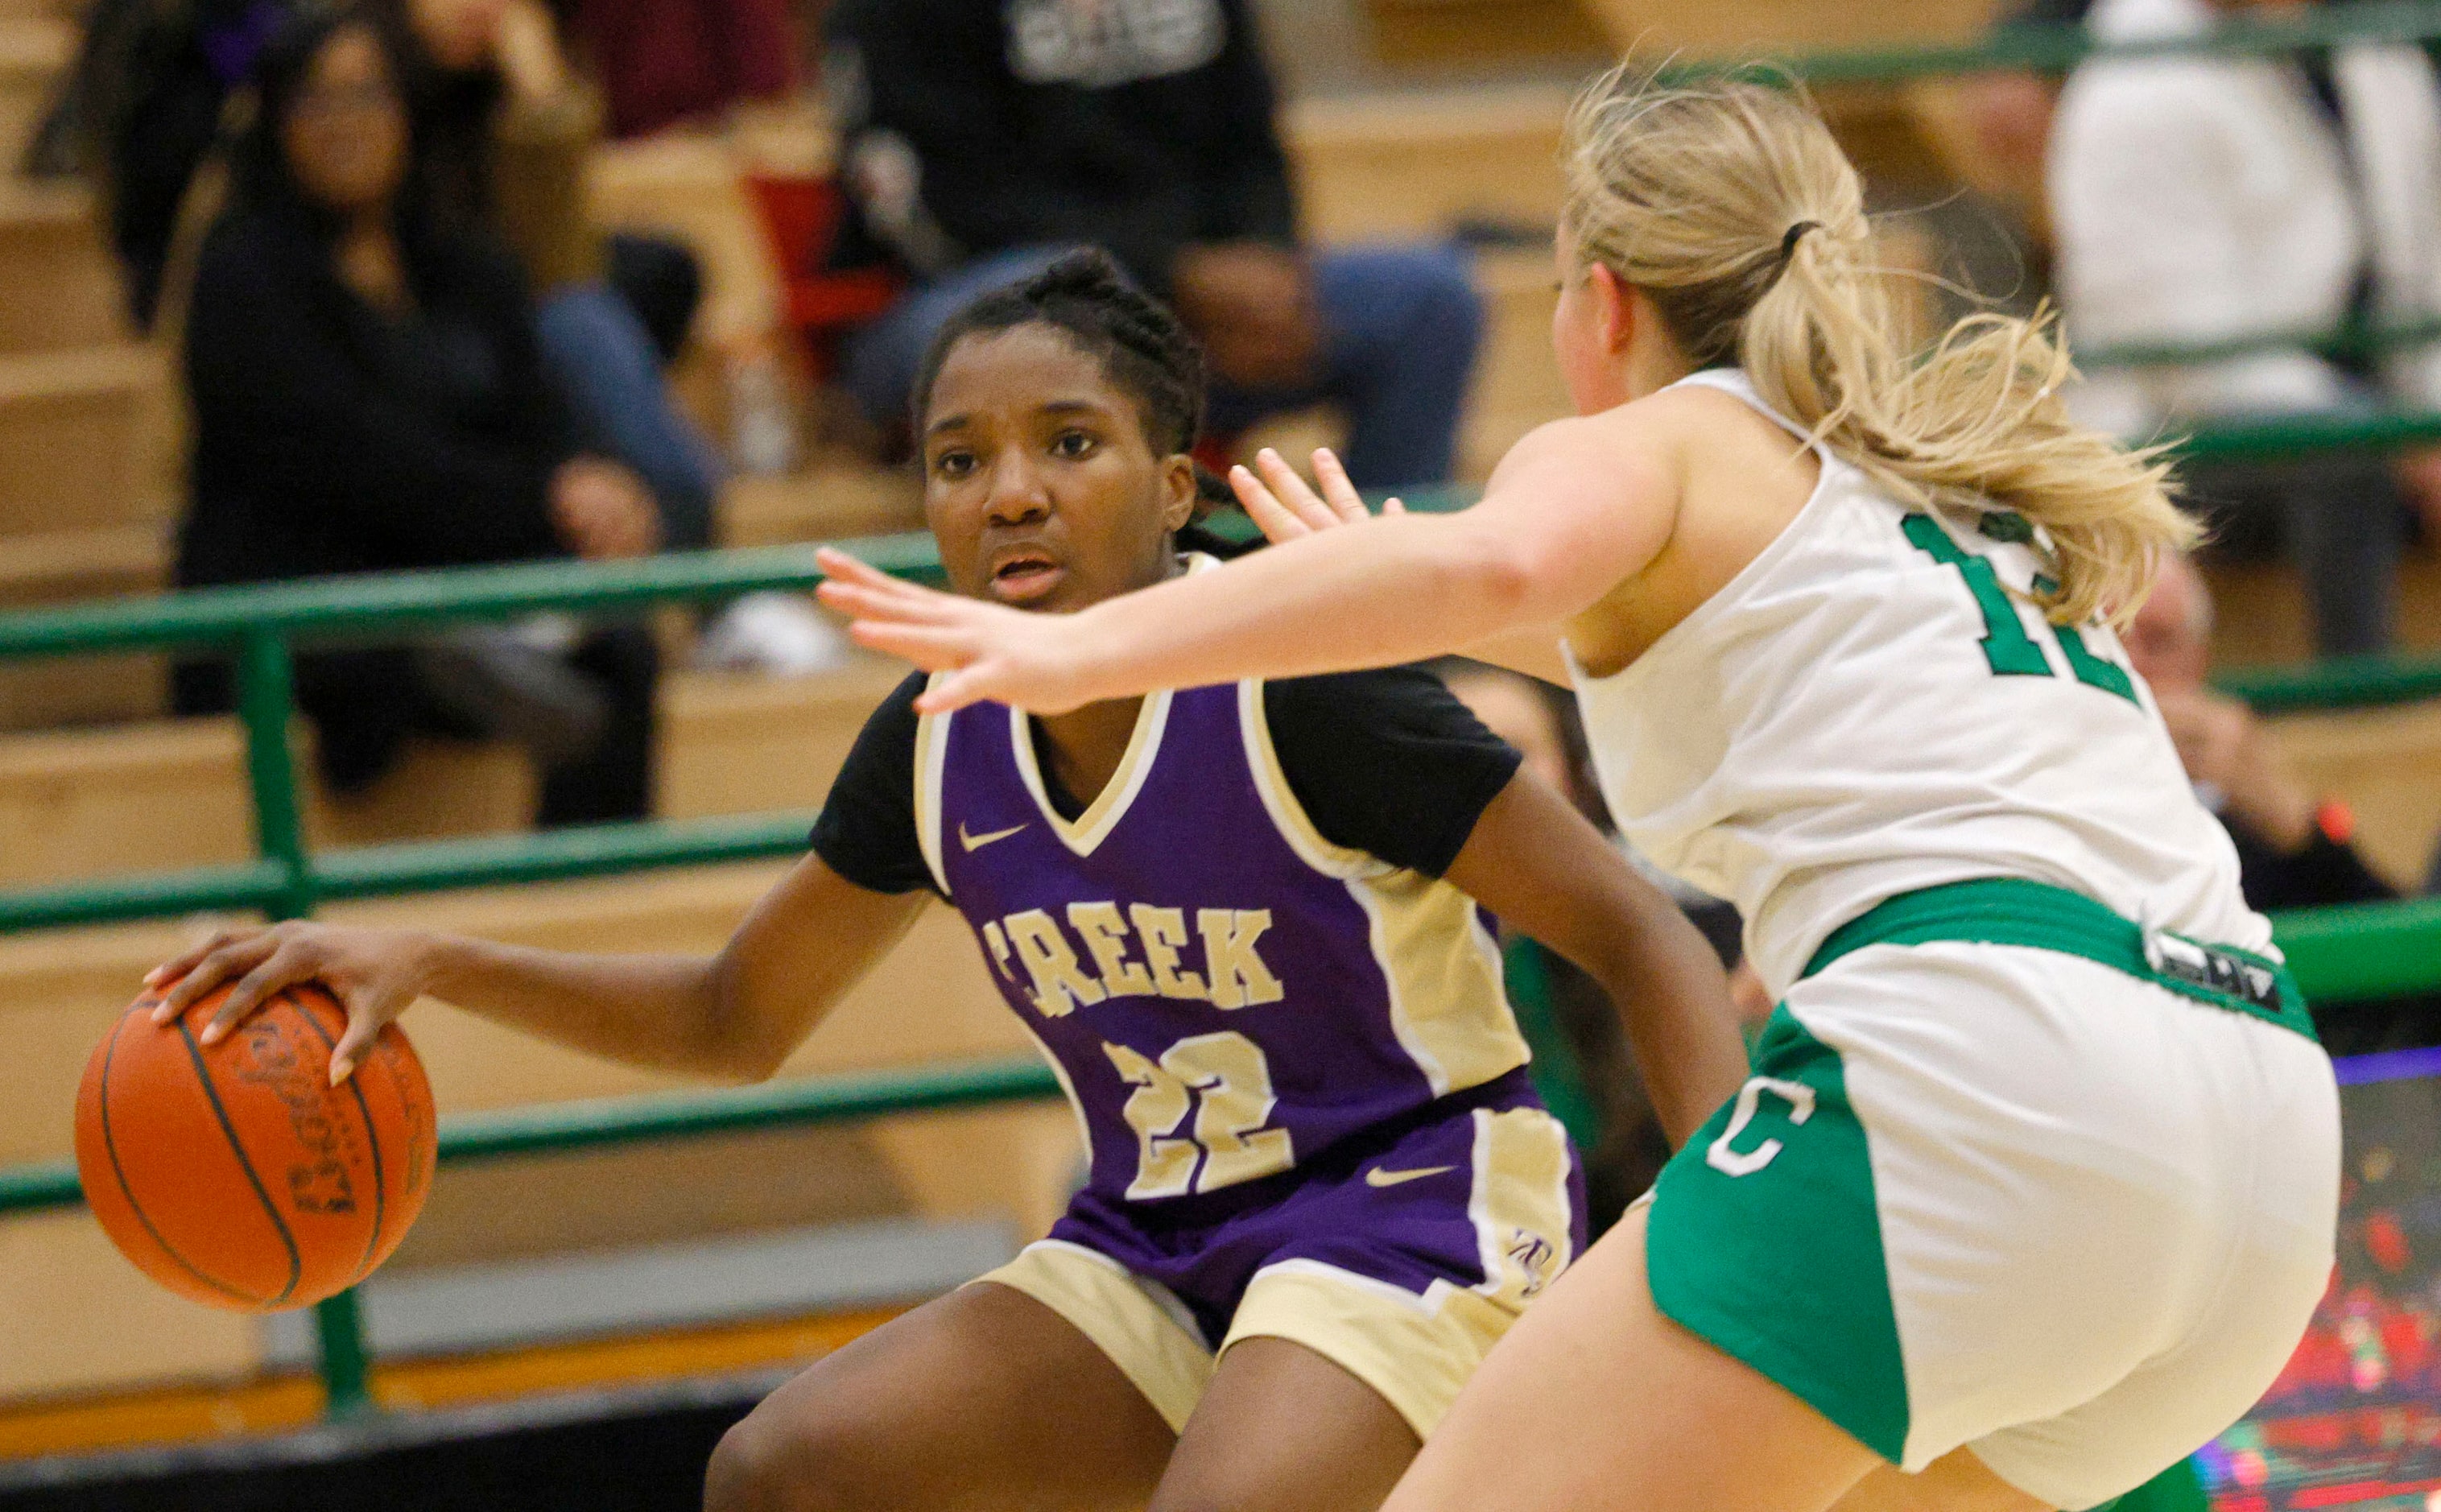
1286	507
989	650
375	973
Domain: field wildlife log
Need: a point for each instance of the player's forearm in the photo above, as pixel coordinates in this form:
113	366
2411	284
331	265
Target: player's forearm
669	1013
1674	1002
1394	591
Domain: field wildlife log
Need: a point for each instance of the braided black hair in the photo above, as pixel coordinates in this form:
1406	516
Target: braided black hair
1142	346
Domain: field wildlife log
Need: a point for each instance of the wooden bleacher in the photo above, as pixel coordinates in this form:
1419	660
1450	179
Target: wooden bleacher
1704	29
85	490
35	44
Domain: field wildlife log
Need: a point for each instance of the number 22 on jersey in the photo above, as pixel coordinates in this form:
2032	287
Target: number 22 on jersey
2007	647
1225	1082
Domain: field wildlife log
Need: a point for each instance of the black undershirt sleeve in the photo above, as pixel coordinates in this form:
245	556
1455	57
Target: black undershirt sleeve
1387	762
867	829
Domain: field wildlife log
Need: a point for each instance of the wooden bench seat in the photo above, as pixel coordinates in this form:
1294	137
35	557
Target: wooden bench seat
81	438
1708	29
172	793
59	287
34	49
1410	163
61	567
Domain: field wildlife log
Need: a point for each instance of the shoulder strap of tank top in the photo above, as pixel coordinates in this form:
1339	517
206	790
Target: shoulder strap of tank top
1733	382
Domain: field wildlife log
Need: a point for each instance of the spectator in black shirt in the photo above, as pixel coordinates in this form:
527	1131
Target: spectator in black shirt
982	137
366	397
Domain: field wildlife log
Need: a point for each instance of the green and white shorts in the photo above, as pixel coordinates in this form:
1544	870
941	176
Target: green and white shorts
2012	1178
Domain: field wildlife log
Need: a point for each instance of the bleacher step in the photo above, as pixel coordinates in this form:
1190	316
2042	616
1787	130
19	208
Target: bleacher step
1405	162
34	50
484	1308
826	503
58	286
79	440
1707	27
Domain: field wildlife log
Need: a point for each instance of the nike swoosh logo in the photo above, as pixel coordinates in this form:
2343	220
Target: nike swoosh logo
1380	1177
976	843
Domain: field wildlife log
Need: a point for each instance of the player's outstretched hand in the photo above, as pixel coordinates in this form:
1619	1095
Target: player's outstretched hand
376	973
988	650
1286	507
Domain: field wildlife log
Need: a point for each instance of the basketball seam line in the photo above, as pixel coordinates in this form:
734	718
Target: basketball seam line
372	1136
110	1147
203	1074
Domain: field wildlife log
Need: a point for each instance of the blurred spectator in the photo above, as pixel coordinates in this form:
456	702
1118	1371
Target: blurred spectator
2218	198
503	128
2008	114
368	396
140	113
2293	847
982	137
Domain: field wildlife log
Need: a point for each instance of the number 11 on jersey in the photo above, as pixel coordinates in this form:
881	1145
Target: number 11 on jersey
2007	647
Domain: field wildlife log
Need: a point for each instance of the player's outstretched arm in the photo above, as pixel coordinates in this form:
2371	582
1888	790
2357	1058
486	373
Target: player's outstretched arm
1534	861
1575	508
1288	509
734	1014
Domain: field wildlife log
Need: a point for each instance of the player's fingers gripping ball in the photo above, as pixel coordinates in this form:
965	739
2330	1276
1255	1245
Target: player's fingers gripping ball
235	1174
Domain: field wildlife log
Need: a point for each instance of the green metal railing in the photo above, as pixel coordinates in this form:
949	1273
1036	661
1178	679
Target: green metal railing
2339	954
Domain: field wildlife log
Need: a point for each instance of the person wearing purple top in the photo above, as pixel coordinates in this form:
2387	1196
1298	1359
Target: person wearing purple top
1246	924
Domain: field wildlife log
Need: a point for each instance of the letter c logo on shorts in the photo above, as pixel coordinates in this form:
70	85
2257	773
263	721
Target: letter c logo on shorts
1724	1156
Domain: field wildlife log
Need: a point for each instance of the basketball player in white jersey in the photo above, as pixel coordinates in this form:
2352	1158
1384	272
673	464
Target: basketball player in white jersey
2034	1186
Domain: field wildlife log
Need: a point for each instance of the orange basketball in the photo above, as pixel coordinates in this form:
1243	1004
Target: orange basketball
236	1175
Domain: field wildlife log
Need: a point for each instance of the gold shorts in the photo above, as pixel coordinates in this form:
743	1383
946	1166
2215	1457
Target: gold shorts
1403	1269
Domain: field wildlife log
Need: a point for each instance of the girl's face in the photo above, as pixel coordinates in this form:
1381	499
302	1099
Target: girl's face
345	134
1039	483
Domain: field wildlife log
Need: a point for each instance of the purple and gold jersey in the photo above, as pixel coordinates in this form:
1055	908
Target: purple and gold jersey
1224	993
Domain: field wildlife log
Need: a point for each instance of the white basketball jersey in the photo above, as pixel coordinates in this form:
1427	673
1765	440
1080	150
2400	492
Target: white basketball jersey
1873	706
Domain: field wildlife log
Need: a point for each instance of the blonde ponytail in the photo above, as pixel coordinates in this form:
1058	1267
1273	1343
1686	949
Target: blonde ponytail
1729	204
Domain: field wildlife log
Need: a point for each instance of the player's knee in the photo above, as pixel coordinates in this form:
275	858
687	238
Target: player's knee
768	1463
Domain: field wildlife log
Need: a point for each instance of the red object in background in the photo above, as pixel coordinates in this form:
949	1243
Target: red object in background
800	216
663	61
1217	453
2386	1241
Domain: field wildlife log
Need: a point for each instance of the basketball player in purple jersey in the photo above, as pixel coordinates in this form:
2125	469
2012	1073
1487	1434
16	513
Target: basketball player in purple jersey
1245	922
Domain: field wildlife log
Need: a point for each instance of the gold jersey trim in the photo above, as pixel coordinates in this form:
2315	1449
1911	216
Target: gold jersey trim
932	751
1439	965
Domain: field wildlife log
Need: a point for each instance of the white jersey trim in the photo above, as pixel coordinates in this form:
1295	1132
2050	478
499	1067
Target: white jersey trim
932	751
